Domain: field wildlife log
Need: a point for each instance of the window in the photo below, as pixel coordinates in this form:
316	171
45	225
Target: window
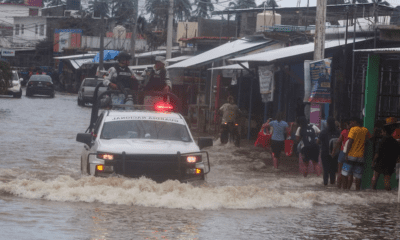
36	29
16	29
41	29
33	12
22	29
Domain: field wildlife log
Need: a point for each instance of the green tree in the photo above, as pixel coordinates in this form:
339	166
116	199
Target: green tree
269	3
158	10
99	6
203	8
243	4
123	10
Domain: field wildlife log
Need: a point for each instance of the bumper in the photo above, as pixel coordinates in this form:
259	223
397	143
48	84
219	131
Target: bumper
40	90
15	89
157	167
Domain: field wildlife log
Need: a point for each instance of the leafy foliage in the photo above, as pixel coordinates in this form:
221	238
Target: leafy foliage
203	8
270	3
243	4
100	6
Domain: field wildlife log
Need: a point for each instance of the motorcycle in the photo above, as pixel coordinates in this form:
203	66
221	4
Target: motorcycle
230	132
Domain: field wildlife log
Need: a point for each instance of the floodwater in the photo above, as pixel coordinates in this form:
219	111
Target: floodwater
44	196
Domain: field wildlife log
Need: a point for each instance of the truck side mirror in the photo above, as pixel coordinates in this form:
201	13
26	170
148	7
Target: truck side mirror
85	138
203	142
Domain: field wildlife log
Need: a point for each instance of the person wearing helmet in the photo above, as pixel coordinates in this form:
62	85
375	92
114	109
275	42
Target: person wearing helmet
121	76
157	77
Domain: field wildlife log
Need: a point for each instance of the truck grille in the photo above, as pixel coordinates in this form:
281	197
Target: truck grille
156	167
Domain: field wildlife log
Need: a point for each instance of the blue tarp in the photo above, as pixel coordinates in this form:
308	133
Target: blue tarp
108	55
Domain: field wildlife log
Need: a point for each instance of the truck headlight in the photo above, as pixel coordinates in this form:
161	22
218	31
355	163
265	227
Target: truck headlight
105	156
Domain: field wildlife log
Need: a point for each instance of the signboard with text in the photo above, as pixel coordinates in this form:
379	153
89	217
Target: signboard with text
266	75
320	75
7	53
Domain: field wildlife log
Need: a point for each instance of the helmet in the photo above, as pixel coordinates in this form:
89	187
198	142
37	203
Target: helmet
123	56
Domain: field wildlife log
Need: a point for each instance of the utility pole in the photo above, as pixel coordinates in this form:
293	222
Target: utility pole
170	29
319	49
133	29
101	44
319	40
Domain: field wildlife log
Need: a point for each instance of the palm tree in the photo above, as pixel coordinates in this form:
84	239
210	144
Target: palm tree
203	8
123	10
270	3
158	10
239	4
100	6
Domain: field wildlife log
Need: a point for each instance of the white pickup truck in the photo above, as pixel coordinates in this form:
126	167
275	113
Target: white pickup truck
135	143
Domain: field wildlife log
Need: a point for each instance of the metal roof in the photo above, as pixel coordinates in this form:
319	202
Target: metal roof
153	53
226	50
178	59
77	63
140	67
231	67
296	50
337	10
379	50
87	55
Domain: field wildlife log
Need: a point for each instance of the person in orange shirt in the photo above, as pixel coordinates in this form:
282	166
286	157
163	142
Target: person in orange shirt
354	157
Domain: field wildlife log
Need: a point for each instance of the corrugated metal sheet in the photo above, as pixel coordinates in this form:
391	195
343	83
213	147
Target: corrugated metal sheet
153	53
77	56
379	50
286	52
140	67
77	63
225	50
231	67
178	59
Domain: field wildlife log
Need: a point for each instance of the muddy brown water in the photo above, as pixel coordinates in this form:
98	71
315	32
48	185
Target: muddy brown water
44	196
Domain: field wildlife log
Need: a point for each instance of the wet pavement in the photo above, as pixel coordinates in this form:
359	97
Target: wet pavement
44	196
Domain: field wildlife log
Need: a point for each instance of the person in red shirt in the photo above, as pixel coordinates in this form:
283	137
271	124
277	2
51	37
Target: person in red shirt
340	144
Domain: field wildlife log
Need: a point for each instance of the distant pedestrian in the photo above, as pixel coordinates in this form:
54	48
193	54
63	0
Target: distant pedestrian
279	134
385	158
354	164
340	144
307	133
329	160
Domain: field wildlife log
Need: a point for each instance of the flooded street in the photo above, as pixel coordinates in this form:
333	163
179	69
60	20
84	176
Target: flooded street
44	196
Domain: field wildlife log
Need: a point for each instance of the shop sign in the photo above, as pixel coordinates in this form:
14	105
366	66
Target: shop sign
266	76
7	52
320	75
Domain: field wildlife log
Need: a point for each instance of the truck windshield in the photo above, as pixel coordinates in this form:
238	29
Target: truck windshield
142	129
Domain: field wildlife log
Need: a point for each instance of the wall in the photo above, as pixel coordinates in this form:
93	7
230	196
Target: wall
248	22
31	34
8	11
112	44
54	11
216	28
192	30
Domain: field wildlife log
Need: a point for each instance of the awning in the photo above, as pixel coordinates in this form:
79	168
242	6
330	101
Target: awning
153	53
379	50
107	55
231	67
77	63
140	67
178	59
87	55
292	51
226	50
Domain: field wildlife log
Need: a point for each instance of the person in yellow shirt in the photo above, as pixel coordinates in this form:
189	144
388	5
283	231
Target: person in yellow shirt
354	163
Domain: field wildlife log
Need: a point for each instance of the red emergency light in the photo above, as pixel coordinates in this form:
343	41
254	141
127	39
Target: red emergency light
163	107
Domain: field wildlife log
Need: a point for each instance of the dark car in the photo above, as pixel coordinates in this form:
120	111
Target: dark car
40	84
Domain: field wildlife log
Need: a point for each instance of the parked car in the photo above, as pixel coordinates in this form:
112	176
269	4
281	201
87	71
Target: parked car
40	84
86	91
14	86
